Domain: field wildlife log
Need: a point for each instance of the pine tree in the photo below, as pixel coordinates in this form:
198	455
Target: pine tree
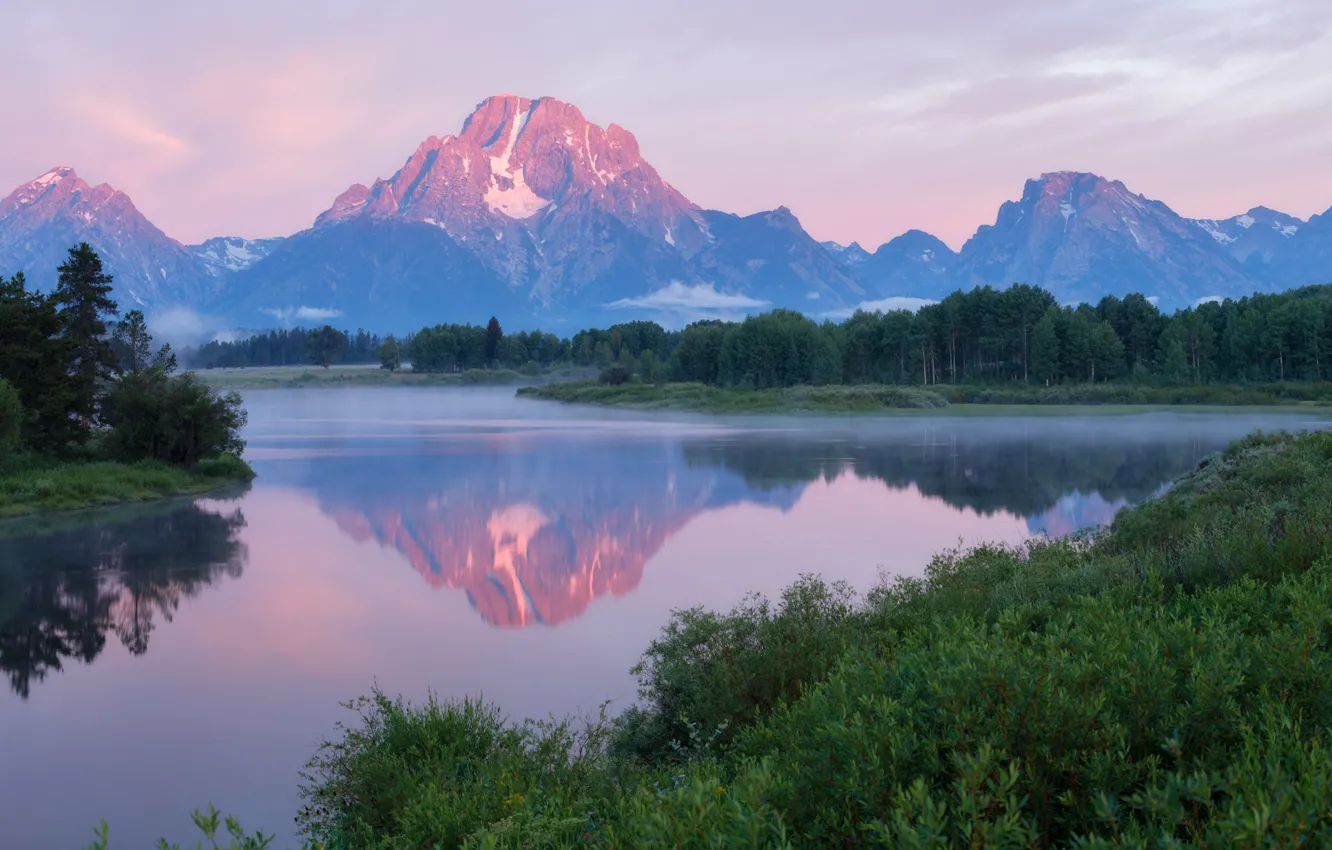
493	336
83	295
1045	354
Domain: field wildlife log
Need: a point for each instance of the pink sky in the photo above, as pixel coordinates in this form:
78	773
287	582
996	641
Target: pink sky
865	117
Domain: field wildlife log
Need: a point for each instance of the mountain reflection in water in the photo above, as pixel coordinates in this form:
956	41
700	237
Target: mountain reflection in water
535	534
533	531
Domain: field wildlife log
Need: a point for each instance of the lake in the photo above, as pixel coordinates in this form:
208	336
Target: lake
464	541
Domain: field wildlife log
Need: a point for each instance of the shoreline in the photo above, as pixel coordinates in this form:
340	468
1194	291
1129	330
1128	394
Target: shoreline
42	489
301	377
868	400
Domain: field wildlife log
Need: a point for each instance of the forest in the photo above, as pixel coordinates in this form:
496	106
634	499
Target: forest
986	336
92	411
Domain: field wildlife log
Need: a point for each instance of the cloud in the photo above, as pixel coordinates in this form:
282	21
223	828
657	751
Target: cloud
301	314
883	305
1208	299
1154	300
679	296
177	322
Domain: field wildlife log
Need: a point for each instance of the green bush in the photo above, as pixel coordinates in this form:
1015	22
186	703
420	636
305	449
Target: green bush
615	375
11	421
438	774
176	419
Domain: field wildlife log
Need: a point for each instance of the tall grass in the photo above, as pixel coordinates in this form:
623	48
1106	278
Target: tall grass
31	484
1114	393
701	397
1167	683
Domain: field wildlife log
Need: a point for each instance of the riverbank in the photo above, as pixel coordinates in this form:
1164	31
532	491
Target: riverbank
866	398
707	399
265	377
1155	684
30	486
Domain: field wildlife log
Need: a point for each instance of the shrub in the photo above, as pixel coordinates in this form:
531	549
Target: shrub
11	420
615	375
177	419
436	774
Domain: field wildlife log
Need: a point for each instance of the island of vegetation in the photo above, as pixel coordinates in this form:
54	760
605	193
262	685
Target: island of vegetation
90	413
1165	683
985	346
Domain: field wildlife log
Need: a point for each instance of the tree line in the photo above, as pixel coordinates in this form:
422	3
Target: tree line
71	373
1018	335
291	347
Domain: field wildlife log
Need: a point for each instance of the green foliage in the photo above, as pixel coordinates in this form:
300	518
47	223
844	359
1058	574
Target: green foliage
11	421
177	419
210	825
615	375
323	345
83	294
983	339
33	484
390	355
37	359
1140	394
439	774
132	347
494	336
843	399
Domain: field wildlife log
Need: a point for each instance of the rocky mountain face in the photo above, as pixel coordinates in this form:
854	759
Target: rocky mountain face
40	220
561	215
914	264
1307	257
1083	237
223	255
536	215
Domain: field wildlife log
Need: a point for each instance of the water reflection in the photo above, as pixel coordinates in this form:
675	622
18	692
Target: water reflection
533	532
62	593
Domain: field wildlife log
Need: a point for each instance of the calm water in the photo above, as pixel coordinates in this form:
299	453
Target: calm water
467	542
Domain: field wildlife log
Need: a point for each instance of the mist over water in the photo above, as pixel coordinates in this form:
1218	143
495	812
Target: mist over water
468	542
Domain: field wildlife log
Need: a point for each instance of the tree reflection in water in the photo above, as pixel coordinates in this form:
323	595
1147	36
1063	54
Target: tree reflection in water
62	593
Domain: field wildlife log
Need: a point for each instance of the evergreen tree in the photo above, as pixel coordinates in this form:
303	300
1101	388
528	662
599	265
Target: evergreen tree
132	345
83	294
1045	354
37	360
493	336
390	355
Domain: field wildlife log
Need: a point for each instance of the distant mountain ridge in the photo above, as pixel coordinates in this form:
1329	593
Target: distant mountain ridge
535	214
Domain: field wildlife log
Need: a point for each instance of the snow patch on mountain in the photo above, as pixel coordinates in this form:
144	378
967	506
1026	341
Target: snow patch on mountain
508	193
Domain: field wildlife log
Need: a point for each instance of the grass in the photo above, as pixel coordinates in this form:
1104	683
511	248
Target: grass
31	485
1306	394
708	399
1105	399
1167	683
261	377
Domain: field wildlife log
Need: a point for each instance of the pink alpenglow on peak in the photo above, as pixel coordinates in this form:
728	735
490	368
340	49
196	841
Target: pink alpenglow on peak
525	171
43	218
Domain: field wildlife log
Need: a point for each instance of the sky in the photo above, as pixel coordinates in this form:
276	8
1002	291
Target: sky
866	119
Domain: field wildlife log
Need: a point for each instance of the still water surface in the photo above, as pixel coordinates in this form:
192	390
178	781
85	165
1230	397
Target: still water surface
467	542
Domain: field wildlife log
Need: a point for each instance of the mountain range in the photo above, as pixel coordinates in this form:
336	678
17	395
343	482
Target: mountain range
538	216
